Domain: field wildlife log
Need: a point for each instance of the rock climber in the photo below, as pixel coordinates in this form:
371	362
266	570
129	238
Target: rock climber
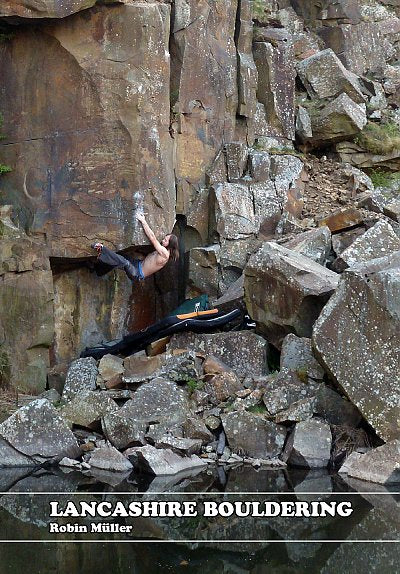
153	262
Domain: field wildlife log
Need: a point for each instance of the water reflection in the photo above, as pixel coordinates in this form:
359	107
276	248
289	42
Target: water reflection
375	517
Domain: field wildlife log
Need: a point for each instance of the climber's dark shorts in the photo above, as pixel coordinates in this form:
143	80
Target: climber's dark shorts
133	268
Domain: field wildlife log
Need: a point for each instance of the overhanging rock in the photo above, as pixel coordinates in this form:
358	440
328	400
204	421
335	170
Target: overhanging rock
357	338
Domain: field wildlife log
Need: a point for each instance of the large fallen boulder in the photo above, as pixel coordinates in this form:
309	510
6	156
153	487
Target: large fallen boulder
357	339
81	376
109	458
164	461
284	389
315	244
34	434
380	465
324	76
252	435
123	431
337	121
243	351
285	291
159	400
309	445
378	241
297	355
87	408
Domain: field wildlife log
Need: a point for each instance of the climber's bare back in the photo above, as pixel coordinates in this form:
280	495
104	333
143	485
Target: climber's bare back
154	262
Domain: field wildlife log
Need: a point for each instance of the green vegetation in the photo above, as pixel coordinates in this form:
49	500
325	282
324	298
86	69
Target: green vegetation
382	178
257	410
382	138
194	385
258	8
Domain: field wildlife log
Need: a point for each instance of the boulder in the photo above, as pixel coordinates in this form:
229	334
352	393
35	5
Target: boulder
334	409
159	400
123	431
309	445
194	428
164	461
285	291
350	460
315	244
284	389
337	121
87	408
354	154
252	435
109	458
110	366
302	410
324	76
357	339
81	376
303	124
242	351
297	355
182	446
34	434
221	387
378	241
139	367
381	465
341	219
233	210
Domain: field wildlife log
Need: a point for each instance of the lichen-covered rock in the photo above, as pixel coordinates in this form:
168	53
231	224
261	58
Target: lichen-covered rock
337	121
357	339
297	355
315	244
259	165
45	8
182	446
34	434
378	241
276	82
334	409
87	408
285	291
159	400
381	465
234	210
309	445
284	389
243	351
109	458
253	435
164	461
110	366
302	410
287	172
324	76
81	376
123	431
222	386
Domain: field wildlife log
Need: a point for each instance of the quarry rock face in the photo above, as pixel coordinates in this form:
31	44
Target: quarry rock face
357	339
90	165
